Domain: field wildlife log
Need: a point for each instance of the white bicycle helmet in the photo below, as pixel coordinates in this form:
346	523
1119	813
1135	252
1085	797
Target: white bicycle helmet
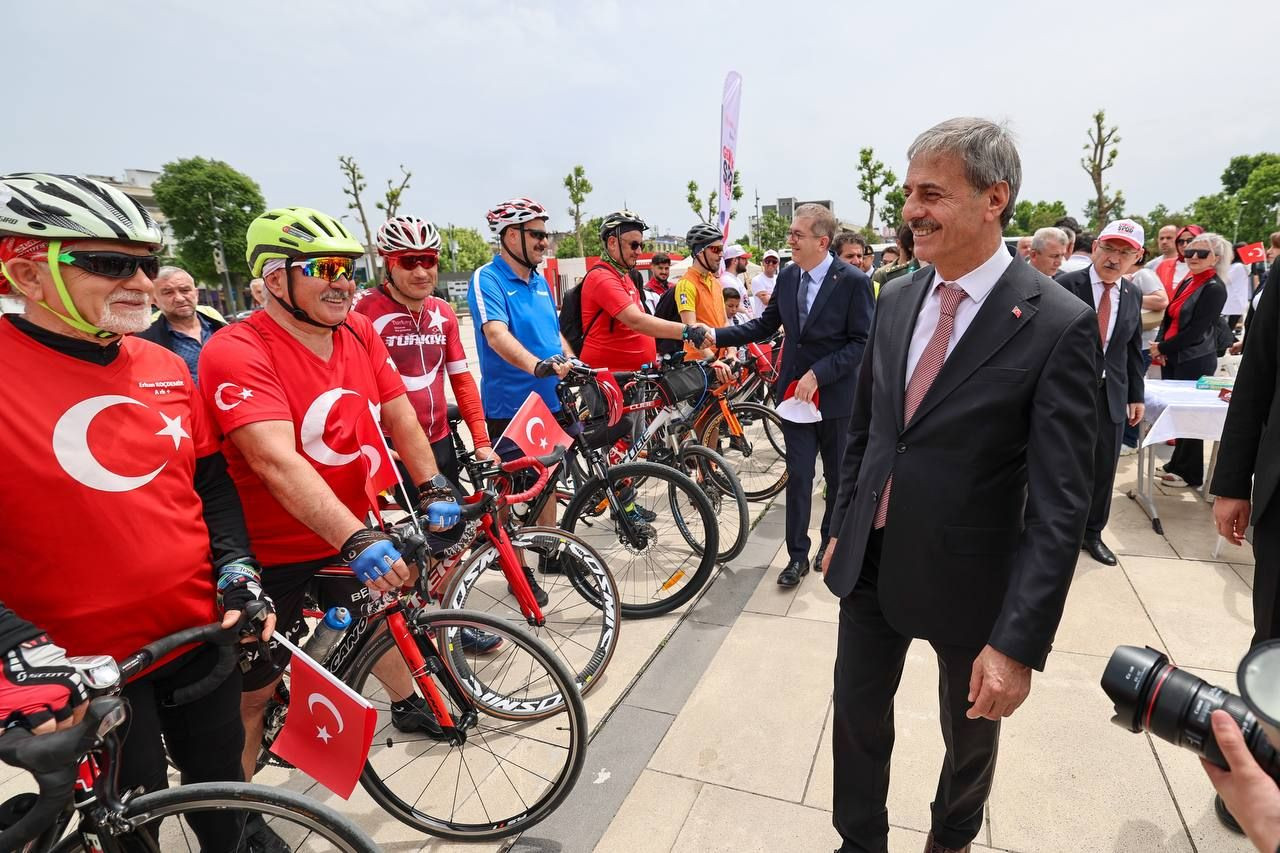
407	234
69	207
515	211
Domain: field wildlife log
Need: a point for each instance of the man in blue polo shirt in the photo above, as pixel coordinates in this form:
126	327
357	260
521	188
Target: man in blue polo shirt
517	329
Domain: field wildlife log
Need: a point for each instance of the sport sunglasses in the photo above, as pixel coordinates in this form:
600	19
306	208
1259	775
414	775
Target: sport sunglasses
112	264
328	269
426	260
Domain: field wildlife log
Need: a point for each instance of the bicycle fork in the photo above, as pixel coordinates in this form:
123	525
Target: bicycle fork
422	668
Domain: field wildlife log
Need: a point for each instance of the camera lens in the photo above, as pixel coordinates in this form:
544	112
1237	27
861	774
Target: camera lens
1151	694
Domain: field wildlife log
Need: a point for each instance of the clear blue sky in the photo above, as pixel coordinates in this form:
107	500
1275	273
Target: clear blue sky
485	100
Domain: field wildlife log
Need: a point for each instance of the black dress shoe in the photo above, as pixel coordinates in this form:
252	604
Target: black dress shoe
795	570
822	551
1099	552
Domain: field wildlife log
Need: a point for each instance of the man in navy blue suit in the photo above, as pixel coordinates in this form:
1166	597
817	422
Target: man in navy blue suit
824	305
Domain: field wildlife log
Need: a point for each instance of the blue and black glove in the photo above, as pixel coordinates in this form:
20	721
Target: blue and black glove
369	553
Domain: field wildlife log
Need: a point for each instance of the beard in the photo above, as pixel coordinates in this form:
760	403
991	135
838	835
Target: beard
125	313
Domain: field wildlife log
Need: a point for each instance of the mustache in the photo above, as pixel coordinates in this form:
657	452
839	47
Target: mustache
128	297
915	224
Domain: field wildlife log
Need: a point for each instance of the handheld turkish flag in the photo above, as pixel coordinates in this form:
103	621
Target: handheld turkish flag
533	431
1253	253
791	409
329	726
380	471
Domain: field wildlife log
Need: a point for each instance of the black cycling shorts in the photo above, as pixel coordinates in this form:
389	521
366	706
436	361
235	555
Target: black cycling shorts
290	586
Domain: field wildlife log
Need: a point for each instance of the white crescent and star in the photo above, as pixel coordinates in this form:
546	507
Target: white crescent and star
322	732
528	433
240	396
311	432
71	444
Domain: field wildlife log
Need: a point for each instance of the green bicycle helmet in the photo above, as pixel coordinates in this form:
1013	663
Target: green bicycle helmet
296	232
62	208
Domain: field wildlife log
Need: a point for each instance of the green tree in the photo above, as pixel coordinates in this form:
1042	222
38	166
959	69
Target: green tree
1103	149
198	194
874	177
588	240
772	230
1236	175
695	201
1258	203
891	211
1030	216
1216	213
355	186
579	188
473	249
390	204
707	212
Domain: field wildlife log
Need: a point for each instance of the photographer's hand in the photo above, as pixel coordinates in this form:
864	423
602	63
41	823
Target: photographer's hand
1250	794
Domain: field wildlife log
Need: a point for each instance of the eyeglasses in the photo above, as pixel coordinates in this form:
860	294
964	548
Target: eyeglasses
328	269
1197	253
770	260
536	235
113	264
1184	241
427	261
799	235
1122	251
634	245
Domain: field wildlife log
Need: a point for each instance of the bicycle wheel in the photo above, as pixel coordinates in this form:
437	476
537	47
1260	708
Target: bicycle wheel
759	454
642	521
582	610
715	475
161	819
506	775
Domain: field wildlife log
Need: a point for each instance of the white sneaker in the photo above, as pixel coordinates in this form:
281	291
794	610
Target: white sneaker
1126	450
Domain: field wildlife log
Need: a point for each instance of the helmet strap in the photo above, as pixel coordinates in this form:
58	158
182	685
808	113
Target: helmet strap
523	257
72	318
609	259
298	314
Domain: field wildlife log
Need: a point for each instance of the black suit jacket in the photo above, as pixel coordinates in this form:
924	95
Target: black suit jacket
992	478
832	340
1249	454
1122	364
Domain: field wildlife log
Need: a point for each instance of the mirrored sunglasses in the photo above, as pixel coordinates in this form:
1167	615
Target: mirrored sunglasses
327	269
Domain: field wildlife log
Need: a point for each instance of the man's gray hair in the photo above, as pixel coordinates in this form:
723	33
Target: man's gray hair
1044	235
986	148
1221	247
824	221
167	271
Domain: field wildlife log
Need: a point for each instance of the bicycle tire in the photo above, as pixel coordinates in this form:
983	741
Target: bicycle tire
567	724
621	541
721	484
757	454
338	833
583	609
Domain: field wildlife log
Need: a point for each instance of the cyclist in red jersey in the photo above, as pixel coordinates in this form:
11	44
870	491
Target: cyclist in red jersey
302	390
617	332
141	532
420	331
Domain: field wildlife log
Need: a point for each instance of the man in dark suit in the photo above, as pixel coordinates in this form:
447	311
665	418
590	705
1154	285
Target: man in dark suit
1117	302
825	307
1247	477
965	485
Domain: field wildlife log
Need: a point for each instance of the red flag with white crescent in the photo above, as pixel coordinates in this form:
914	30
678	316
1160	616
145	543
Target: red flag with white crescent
329	727
1254	253
533	431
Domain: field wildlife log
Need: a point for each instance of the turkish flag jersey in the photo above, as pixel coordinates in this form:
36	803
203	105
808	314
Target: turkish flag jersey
105	546
424	349
256	371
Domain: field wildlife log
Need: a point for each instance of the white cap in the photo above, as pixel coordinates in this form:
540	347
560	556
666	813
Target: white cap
735	251
772	253
1126	230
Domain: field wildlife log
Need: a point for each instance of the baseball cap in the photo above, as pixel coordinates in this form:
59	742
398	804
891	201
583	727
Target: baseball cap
772	253
1126	230
735	251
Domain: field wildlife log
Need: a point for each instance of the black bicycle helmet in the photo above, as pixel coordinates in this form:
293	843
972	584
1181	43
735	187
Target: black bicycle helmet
621	222
701	236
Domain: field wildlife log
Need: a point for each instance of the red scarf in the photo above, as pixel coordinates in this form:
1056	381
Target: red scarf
1189	285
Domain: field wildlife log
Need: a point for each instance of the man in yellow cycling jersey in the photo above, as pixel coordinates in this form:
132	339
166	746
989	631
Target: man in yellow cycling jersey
699	294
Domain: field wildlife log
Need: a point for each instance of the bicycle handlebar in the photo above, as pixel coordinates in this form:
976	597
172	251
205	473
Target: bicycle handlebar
54	761
213	633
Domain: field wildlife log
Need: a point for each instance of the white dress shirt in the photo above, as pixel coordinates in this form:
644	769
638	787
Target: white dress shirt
818	274
977	284
1075	262
1237	291
1097	300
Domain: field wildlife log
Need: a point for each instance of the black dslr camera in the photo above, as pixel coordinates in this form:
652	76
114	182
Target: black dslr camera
1151	694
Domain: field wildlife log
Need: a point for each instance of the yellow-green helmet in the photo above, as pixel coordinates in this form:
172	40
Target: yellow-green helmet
296	232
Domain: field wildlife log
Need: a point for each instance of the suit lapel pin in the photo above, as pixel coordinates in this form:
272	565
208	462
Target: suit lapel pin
1017	312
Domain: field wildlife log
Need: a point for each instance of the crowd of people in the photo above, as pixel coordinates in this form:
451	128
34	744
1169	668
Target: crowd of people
257	446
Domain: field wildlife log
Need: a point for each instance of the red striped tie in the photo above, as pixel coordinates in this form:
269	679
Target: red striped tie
927	370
